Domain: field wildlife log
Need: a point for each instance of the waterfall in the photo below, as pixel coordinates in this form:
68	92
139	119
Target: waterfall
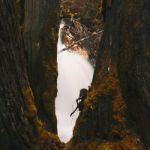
74	73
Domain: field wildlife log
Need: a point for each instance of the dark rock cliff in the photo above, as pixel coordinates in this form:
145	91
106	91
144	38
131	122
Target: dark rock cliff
40	34
117	111
17	110
116	115
20	126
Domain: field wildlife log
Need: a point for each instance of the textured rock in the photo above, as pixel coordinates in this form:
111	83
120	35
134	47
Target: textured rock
116	114
20	127
117	110
17	109
40	34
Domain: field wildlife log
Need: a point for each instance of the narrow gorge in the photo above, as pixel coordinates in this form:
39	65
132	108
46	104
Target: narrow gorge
103	46
74	73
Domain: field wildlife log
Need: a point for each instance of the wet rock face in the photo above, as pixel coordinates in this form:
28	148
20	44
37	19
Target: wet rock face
40	34
117	110
17	127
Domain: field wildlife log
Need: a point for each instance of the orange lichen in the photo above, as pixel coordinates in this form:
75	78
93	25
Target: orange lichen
31	111
107	87
47	140
124	137
119	103
129	142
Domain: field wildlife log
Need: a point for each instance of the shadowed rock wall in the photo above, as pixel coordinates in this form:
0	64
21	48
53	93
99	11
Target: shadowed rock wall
116	113
20	126
40	34
17	109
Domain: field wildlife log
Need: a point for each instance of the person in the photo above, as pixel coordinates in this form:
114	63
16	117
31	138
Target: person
80	100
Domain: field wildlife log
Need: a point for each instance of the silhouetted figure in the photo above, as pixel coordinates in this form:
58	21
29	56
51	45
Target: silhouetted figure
80	100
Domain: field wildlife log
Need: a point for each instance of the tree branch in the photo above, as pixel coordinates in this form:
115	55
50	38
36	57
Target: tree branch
82	39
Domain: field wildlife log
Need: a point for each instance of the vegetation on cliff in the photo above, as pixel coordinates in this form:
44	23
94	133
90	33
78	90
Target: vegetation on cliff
20	126
116	113
117	109
83	26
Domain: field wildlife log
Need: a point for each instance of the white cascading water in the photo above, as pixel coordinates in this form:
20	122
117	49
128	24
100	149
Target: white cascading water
74	73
